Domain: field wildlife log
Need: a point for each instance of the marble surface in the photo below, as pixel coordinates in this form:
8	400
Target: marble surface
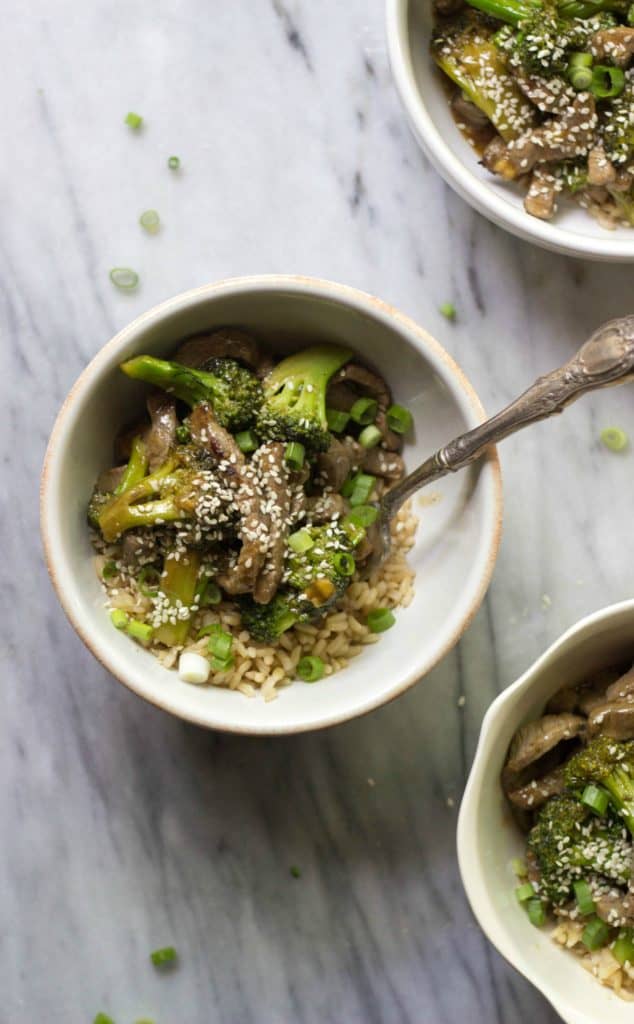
122	829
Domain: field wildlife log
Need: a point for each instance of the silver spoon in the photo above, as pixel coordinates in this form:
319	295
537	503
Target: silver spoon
606	358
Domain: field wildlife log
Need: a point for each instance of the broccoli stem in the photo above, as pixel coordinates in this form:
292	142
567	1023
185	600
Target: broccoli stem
620	786
122	513
510	11
191	386
136	468
515	11
180	577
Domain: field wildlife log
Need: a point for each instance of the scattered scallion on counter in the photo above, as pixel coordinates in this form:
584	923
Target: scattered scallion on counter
103	1018
380	619
295	872
150	221
399	419
133	120
614	438
124	278
448	310
310	668
165	955
174	163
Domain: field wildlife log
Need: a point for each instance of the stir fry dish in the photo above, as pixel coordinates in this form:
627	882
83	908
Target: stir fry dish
544	89
233	530
569	777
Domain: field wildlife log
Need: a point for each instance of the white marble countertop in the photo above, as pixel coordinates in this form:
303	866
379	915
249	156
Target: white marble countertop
123	829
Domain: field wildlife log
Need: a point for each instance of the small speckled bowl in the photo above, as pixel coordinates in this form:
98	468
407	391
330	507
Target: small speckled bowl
488	838
573	231
457	541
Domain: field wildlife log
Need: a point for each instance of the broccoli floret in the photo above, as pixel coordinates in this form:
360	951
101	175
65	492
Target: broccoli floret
267	622
513	12
608	763
617	124
96	505
294	407
234	392
463	47
569	843
574	176
542	42
163	497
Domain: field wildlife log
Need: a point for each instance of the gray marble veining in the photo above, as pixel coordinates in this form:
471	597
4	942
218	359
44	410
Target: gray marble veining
121	829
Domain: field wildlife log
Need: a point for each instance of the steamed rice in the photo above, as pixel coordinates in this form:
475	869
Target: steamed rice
600	963
338	637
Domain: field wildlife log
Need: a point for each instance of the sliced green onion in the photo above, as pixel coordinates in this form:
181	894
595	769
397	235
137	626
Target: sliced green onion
347	486
623	948
362	489
355	533
337	420
103	1018
614	438
344	563
210	595
536	912
630	15
295	872
310	668
166	955
109	570
448	310
118	618
595	934
294	454
583	896
124	278
300	541
246	441
149	581
596	798
140	631
524	892
607	81
222	664
220	644
150	221
380	619
174	163
133	120
580	60
364	410
519	868
580	78
183	434
399	419
370	436
362	515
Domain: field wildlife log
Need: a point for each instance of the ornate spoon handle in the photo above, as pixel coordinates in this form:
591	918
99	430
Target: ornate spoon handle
607	358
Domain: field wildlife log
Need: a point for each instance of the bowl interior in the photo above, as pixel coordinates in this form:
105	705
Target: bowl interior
457	539
426	100
489	838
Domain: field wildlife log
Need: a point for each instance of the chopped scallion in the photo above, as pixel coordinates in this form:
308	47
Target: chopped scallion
583	896
166	955
344	563
448	310
607	81
310	668
103	1018
623	948
222	664
595	934
118	618
580	78
399	419
150	221
362	515
133	120
580	60
295	872
370	436
124	278
596	798
362	488
337	420
149	581
364	411
300	541
109	570
140	631
536	912
524	892
614	438
294	454
174	163
220	644
209	594
246	441
380	619
355	532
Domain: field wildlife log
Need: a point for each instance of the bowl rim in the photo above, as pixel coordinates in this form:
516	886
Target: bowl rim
477	193
471	870
345	295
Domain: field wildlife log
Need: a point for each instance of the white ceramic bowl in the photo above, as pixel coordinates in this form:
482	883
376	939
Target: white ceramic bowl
573	231
458	538
488	838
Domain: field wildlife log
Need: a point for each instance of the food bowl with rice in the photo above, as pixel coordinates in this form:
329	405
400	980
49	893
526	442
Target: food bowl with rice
207	505
546	826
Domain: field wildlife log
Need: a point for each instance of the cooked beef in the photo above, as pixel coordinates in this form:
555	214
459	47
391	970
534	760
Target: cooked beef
161	435
334	466
533	740
274	483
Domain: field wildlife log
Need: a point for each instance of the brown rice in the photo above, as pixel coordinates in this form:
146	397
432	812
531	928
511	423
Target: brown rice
600	963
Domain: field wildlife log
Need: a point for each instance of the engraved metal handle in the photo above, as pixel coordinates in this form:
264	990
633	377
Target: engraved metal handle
607	358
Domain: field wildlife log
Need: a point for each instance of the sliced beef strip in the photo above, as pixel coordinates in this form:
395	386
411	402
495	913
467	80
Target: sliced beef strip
161	436
560	138
228	343
537	792
583	697
550	95
541	198
535	739
614	44
616	909
467	113
335	465
622	687
600	171
373	384
614	719
340	396
208	435
110	479
379	462
324	507
275	486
